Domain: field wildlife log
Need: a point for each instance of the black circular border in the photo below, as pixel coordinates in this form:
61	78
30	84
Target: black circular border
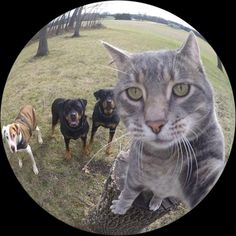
19	22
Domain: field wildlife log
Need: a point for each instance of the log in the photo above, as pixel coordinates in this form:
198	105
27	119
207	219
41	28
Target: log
102	221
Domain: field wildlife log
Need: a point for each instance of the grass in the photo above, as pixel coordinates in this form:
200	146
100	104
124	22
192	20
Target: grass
77	67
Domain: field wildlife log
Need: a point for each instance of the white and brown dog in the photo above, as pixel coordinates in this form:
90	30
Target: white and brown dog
19	132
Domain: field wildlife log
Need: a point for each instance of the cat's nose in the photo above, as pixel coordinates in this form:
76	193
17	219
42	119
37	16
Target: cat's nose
156	125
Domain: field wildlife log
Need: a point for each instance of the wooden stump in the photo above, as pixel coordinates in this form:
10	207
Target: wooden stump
101	220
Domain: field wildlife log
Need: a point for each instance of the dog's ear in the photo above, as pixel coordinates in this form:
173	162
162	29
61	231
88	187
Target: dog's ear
17	129
98	94
83	102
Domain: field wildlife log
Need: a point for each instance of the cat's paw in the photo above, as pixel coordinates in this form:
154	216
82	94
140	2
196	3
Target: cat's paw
117	209
155	203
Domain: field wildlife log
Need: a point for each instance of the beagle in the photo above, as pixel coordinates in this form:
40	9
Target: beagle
19	132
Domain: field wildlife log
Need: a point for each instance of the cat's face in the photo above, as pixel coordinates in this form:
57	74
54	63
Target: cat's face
163	96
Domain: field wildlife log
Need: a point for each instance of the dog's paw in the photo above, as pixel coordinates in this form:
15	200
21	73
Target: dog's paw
89	148
35	169
108	151
86	151
20	163
40	141
53	137
67	155
155	203
117	209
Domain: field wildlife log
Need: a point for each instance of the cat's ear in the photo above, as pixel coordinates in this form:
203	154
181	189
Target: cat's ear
120	57
190	49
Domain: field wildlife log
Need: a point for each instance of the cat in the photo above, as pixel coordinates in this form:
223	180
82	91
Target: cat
166	102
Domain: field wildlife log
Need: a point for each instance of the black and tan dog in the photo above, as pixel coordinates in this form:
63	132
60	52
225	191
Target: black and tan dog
105	115
18	133
73	121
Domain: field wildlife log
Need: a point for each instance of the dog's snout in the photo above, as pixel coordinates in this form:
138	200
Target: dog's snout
109	100
73	116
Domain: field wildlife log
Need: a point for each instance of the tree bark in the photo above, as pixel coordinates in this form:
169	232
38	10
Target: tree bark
102	221
43	43
78	23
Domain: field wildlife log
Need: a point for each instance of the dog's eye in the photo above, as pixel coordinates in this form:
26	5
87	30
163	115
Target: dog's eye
134	93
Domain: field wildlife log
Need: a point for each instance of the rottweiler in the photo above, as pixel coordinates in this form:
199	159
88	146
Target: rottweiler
73	121
105	115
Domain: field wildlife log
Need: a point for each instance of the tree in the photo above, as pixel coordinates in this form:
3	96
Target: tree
43	43
123	16
61	23
102	221
78	22
72	19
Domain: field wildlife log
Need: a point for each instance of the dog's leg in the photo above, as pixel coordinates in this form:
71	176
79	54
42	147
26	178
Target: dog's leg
85	147
20	162
55	119
68	153
29	151
111	135
94	130
40	140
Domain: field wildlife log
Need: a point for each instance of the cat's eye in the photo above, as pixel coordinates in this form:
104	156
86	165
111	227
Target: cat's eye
134	93
181	89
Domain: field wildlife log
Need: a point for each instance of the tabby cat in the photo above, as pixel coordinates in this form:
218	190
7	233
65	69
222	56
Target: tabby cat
166	103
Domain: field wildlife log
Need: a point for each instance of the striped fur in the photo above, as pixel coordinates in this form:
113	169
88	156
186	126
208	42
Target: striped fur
184	157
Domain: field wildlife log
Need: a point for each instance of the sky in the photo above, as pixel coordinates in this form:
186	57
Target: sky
138	8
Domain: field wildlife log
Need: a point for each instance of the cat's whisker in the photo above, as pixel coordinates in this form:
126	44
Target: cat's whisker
175	171
102	148
127	145
141	154
189	157
115	69
194	156
179	166
139	158
181	154
188	161
194	133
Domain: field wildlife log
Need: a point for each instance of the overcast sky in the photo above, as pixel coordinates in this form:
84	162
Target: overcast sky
138	8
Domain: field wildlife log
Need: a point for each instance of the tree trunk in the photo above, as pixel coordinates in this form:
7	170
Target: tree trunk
43	43
219	64
59	25
67	22
72	19
102	221
78	23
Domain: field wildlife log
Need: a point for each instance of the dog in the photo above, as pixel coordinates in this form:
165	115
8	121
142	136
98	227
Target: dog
18	133
73	121
105	115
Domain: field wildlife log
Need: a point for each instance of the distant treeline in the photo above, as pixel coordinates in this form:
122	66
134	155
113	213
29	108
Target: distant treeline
144	17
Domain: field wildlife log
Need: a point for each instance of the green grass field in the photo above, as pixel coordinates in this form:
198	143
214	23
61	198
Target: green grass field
77	67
